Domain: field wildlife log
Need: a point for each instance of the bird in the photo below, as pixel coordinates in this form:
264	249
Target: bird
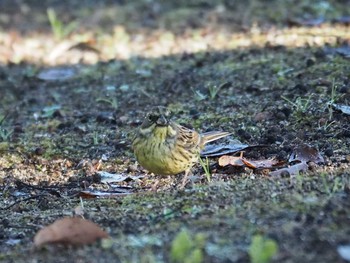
165	147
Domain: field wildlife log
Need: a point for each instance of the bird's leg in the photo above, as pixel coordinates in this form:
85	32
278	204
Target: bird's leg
185	179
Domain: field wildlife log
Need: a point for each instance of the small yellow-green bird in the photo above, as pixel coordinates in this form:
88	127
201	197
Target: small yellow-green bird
164	147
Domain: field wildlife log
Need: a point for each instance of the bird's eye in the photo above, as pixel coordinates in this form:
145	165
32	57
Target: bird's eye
153	118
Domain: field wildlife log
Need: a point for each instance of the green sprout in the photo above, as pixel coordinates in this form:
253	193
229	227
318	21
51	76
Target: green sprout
186	249
213	91
262	249
111	101
58	28
206	167
5	133
199	96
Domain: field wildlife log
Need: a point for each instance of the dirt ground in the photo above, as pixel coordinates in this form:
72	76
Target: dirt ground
76	78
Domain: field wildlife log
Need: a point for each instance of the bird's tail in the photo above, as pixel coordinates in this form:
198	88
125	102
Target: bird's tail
213	136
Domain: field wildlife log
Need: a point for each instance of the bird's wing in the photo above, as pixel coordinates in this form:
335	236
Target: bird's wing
212	136
187	138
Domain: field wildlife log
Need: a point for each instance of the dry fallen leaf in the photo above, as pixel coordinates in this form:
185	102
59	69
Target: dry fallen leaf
343	108
241	161
306	153
259	164
69	231
54	74
115	178
230	160
291	170
342	51
86	47
110	194
344	251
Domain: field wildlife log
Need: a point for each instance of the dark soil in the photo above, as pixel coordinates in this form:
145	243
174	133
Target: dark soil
269	72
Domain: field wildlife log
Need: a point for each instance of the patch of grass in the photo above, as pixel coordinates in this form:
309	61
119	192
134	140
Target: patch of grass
95	138
58	28
262	249
113	102
333	99
205	165
185	249
301	106
5	134
213	91
331	185
198	96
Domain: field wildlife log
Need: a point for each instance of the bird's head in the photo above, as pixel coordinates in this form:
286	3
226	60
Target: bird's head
160	116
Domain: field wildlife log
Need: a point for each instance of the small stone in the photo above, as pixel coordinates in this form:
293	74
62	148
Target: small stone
310	62
329	152
132	168
312	166
39	151
263	116
96	178
244	134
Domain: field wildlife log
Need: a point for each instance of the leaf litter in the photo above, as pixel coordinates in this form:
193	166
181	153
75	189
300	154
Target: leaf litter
58	73
69	231
343	108
107	177
298	161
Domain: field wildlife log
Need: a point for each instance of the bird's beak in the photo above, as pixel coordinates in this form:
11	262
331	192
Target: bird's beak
162	121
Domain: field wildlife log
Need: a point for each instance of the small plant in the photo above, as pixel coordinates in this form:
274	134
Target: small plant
213	91
301	105
95	138
334	97
333	185
185	249
338	185
58	28
5	134
111	101
199	96
206	167
262	249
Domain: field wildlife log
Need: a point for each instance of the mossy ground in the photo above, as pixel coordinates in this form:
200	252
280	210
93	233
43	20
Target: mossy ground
277	82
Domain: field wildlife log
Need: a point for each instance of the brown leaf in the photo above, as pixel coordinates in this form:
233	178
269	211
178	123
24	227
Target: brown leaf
263	116
306	153
230	160
258	164
85	46
69	231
